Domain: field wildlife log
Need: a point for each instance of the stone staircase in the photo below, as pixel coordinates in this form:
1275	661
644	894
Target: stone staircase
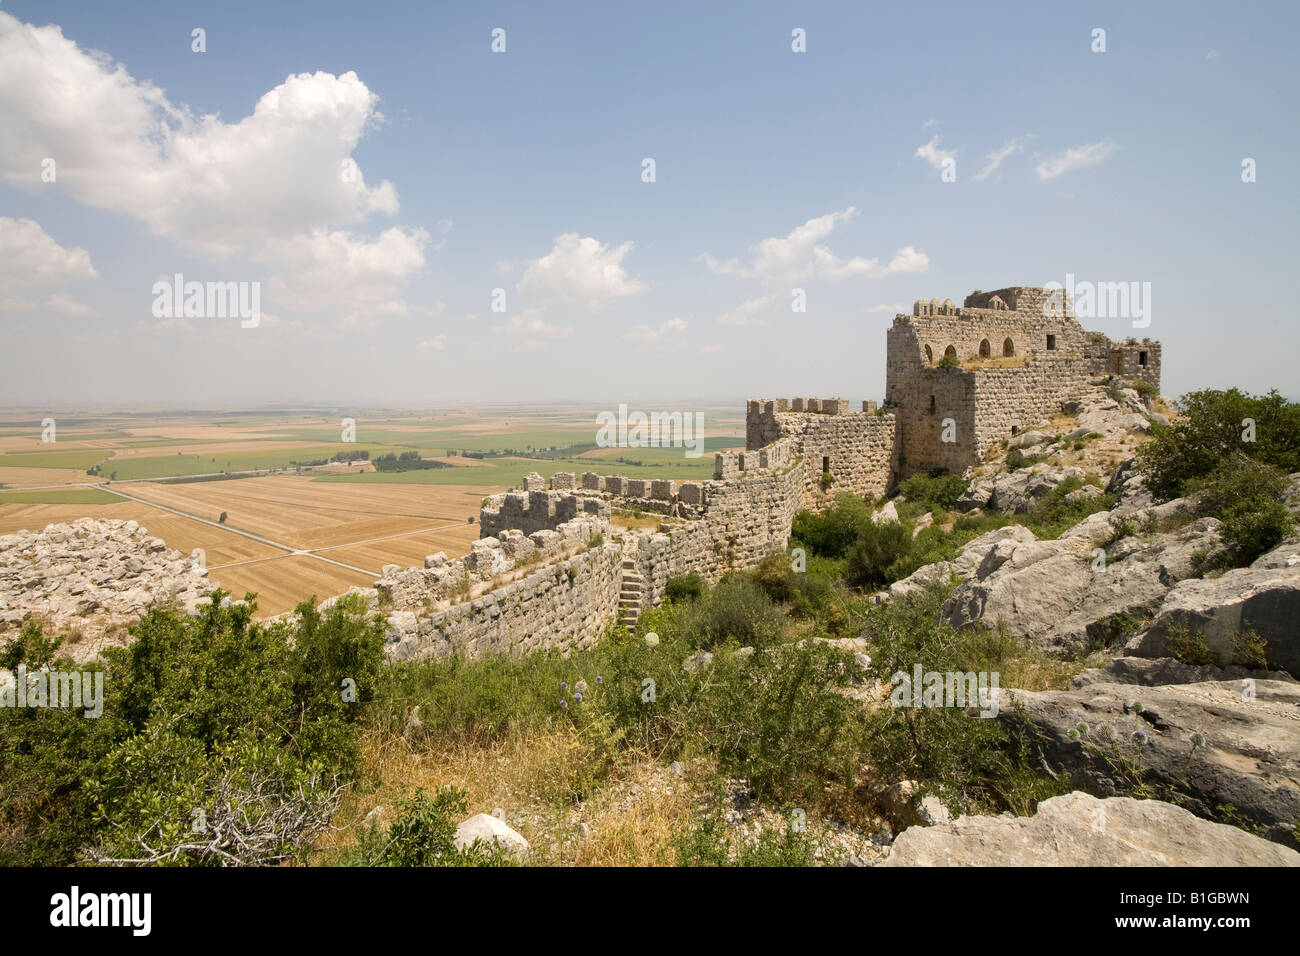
632	592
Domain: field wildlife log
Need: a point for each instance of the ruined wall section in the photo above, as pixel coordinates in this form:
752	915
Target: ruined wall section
927	401
1139	363
975	334
536	510
1011	400
567	603
859	449
747	519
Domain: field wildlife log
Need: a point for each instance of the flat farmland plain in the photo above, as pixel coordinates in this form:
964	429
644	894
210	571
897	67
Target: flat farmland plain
307	514
295	531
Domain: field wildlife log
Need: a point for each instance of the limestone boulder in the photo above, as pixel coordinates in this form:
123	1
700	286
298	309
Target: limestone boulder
1080	830
1262	601
492	831
1212	744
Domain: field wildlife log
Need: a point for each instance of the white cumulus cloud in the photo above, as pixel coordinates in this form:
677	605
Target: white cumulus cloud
803	253
121	144
29	256
579	269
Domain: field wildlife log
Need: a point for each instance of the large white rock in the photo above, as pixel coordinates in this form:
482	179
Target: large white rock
1079	830
490	829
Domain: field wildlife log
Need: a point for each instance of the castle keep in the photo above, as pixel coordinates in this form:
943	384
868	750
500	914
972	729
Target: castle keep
548	571
958	382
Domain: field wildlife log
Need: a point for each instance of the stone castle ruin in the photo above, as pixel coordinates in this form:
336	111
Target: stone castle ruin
548	570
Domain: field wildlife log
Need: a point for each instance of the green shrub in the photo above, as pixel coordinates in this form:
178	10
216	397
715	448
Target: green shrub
774	575
249	727
879	553
1246	496
1190	647
949	360
709	842
829	533
1249	649
1209	431
946	749
739	610
939	490
424	834
685	587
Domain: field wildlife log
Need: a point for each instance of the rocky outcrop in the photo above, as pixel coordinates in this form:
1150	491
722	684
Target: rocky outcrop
1061	596
92	574
1222	749
1245	602
967	560
1154	671
1079	830
1016	492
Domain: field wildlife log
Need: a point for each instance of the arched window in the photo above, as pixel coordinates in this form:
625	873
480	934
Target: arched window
929	356
950	352
985	349
1008	348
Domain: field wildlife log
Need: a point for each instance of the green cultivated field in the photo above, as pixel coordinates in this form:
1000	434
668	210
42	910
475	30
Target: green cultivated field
510	471
70	496
54	459
163	466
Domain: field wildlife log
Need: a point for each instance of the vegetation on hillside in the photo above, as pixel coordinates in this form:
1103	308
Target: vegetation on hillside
1233	452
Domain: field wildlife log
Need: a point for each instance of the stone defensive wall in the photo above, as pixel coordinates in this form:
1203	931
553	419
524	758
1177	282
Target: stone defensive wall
536	509
857	448
746	519
565	603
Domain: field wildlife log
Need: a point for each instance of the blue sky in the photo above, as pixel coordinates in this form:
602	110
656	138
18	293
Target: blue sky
522	171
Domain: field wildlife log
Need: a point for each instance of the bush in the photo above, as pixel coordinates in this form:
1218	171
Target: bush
424	834
878	554
685	587
1246	496
738	610
810	593
939	489
1209	431
244	730
949	360
709	842
829	533
1190	647
946	749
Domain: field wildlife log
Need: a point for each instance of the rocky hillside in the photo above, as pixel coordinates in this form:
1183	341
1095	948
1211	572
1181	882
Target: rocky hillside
1196	697
89	575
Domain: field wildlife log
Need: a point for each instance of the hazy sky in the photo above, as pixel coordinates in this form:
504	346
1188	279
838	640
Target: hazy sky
379	170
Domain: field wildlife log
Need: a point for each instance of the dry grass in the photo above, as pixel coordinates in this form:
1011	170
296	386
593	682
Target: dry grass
544	784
